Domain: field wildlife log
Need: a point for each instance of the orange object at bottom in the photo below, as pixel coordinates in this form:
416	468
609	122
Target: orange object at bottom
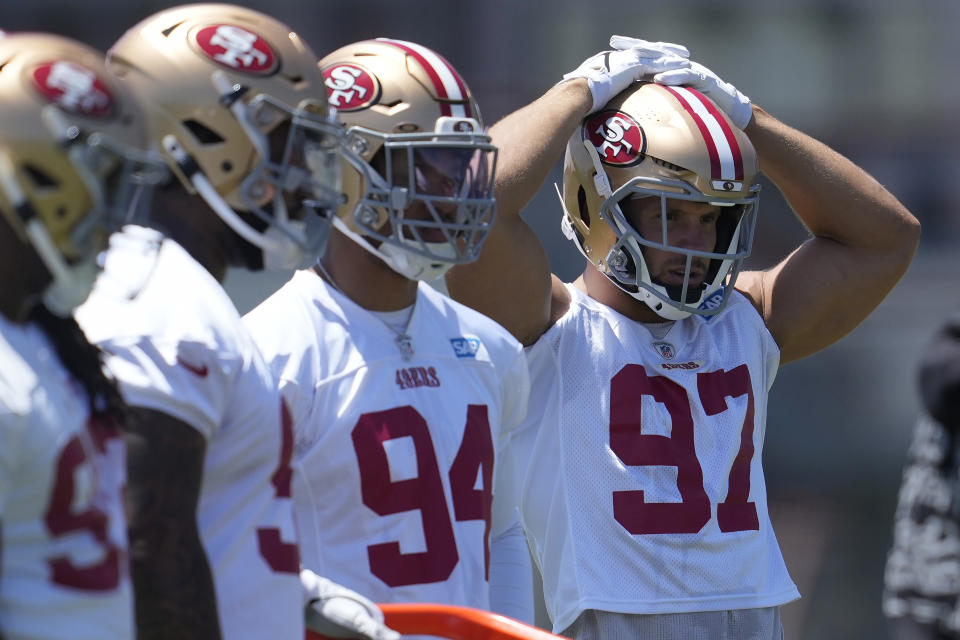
455	623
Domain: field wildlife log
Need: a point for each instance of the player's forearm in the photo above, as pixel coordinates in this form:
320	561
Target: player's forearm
833	197
174	595
173	585
532	139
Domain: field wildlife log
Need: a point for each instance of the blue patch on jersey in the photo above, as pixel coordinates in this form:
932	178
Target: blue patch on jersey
713	301
465	347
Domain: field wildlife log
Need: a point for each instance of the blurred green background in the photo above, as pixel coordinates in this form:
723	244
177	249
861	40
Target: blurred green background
875	79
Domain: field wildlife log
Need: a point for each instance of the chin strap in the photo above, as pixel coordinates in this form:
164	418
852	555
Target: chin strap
565	225
415	267
71	284
230	94
600	181
406	264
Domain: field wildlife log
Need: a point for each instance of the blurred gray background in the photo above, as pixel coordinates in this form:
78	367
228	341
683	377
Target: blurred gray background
875	79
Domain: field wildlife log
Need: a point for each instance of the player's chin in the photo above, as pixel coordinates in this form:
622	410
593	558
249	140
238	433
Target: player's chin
427	236
674	279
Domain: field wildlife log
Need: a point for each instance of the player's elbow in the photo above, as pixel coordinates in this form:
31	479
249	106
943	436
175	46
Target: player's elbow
906	237
895	233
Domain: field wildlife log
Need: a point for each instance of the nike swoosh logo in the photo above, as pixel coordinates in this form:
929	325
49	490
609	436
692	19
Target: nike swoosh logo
192	368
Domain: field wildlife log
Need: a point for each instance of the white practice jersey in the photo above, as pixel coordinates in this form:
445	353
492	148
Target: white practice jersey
177	345
63	568
640	464
396	456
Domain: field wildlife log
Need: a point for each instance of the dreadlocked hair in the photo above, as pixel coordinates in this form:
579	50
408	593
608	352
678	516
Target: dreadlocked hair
84	362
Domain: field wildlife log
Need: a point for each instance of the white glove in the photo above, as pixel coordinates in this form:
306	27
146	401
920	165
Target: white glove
337	612
693	74
610	72
728	98
732	102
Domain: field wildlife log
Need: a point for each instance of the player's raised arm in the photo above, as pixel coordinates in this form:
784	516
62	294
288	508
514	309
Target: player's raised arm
863	241
511	280
863	238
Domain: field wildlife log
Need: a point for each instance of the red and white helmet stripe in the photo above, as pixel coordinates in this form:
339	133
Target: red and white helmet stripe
446	81
726	161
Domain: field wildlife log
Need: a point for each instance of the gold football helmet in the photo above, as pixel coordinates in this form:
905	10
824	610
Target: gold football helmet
72	157
671	143
418	167
236	101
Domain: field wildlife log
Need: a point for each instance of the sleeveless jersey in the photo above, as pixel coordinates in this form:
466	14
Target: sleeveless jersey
396	457
177	345
639	465
63	568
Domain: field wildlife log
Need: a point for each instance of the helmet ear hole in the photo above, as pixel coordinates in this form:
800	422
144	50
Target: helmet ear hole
582	206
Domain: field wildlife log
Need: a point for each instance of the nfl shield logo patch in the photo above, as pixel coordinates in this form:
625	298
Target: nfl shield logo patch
665	349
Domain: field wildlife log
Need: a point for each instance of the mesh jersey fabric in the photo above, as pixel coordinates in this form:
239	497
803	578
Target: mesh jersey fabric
631	446
389	450
63	570
739	624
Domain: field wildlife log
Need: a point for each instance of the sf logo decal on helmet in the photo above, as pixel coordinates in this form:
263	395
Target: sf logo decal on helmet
619	140
237	49
73	88
350	87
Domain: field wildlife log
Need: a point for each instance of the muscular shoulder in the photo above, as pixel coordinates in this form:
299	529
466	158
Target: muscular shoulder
740	303
561	298
302	329
573	307
750	284
570	300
